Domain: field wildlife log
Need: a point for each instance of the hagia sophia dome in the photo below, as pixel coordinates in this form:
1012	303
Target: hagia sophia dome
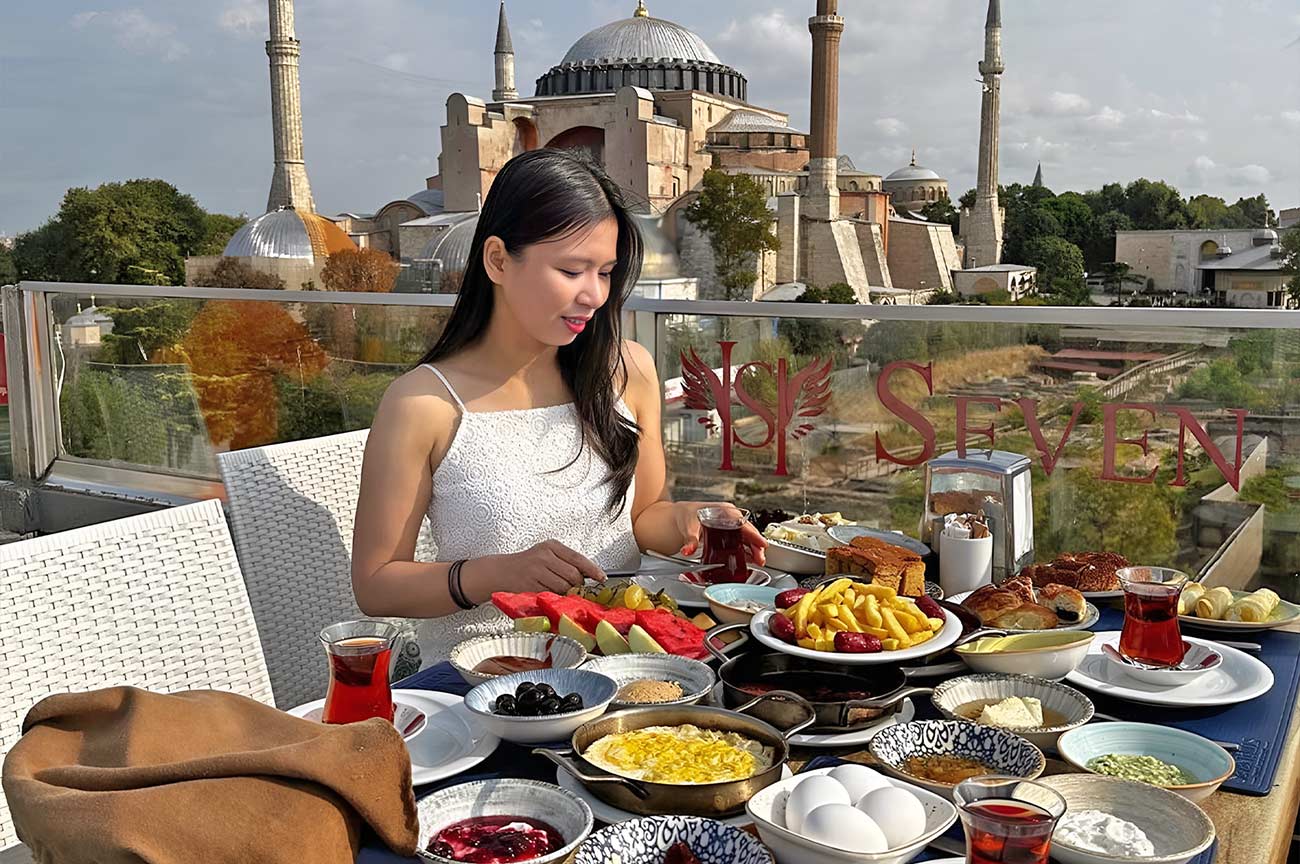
641	51
288	233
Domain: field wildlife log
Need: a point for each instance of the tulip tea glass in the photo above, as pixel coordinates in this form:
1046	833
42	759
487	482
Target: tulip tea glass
1151	633
1007	820
723	545
360	653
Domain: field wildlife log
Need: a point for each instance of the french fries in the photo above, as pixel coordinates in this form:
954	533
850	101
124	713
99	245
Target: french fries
852	607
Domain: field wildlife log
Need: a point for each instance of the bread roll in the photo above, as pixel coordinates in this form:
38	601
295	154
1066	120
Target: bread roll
1021	586
1067	603
1192	592
1027	616
1255	607
1214	603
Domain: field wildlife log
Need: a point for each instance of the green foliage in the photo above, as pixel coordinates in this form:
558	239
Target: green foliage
218	228
113	416
814	337
141	331
1059	263
8	271
1221	382
1136	520
1270	490
233	273
1291	263
732	211
135	232
943	211
1253	352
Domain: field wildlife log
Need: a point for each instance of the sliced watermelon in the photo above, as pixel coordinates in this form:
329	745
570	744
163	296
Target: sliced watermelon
522	605
677	635
622	619
584	613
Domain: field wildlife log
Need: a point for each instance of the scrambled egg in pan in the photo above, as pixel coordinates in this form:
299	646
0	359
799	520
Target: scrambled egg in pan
680	754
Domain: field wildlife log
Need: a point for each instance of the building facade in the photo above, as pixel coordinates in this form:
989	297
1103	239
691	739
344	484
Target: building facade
1171	260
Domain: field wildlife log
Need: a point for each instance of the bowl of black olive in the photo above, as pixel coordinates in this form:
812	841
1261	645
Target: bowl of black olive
541	705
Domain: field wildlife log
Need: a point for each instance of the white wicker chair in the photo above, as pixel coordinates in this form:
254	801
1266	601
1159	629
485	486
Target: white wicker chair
153	601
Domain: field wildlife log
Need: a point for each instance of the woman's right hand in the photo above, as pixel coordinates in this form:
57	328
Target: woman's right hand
548	566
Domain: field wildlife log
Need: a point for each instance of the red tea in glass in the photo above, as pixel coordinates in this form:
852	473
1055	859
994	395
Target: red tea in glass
360	653
723	545
1151	633
1007	820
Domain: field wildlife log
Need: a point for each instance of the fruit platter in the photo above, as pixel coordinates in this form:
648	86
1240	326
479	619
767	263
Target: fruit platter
619	617
850	622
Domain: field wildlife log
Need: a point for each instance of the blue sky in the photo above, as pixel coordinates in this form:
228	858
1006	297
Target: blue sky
1203	93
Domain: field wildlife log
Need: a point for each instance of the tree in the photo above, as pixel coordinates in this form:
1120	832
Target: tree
218	228
732	211
1291	263
1155	205
142	333
233	273
1117	274
8	272
812	337
942	211
1255	212
1059	263
366	270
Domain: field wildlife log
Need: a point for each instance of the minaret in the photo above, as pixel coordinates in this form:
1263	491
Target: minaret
1038	176
504	55
823	198
984	239
289	186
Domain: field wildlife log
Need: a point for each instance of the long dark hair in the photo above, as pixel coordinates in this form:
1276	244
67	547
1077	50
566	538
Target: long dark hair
546	195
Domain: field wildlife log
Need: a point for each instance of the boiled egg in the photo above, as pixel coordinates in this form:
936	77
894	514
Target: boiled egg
846	827
809	794
898	813
858	780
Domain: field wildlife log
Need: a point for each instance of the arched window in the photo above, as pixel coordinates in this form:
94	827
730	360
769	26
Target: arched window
853	185
1209	249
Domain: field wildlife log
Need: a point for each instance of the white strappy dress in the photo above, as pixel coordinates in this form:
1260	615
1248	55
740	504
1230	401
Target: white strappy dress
508	481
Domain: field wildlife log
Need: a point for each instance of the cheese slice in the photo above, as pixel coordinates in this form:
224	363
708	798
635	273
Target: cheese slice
1014	712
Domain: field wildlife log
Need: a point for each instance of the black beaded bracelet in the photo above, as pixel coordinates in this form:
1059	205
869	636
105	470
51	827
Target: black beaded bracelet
455	588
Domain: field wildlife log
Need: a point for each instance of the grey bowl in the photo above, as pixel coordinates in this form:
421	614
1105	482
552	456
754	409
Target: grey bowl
694	676
565	812
1076	708
565	653
597	692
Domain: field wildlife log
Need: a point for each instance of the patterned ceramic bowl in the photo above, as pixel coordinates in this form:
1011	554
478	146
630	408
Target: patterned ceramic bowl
597	692
694	677
645	840
565	653
999	751
565	812
1070	708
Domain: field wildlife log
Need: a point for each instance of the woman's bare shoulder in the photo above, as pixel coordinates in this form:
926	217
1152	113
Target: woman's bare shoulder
640	365
416	403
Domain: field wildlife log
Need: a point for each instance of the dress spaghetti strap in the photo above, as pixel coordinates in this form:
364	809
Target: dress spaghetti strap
447	384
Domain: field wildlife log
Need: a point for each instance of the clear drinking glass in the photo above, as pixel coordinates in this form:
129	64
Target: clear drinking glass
1007	820
1151	633
360	655
722	544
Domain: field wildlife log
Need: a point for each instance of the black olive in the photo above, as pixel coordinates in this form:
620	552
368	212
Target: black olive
505	704
546	690
549	706
530	698
524	687
573	702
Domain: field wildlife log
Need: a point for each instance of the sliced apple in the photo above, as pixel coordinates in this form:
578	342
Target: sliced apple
642	642
568	627
533	624
610	640
703	621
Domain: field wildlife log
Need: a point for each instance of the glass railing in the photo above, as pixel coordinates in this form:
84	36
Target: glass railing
1167	436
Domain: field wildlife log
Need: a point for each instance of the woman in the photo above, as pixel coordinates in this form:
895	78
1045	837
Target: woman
530	433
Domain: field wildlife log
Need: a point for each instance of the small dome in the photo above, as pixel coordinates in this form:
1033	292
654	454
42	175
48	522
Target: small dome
638	38
745	120
428	200
286	233
1263	237
450	247
913	172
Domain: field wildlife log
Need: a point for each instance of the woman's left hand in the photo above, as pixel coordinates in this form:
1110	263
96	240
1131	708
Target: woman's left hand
686	516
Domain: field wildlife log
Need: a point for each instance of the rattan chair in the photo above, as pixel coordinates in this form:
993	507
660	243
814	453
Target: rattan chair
153	601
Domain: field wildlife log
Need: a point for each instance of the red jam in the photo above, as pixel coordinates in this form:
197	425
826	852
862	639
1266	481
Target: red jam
680	853
496	840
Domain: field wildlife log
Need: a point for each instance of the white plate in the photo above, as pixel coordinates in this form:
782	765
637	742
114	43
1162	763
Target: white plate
611	815
1090	616
1285	613
906	714
452	742
689	595
1240	678
942	641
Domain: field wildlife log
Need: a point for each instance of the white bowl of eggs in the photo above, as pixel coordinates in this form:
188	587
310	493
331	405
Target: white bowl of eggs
848	813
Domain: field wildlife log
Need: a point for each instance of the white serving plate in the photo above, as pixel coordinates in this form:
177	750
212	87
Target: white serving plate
611	815
1285	613
450	742
1239	678
689	595
767	809
1090	616
942	641
793	558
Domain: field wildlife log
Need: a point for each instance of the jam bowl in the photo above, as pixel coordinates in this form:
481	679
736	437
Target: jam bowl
478	809
560	652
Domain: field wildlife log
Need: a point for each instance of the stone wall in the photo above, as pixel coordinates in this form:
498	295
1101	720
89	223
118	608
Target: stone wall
921	252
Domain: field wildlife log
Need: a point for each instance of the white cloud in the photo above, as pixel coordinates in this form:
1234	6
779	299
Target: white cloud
1198	173
772	30
1067	104
1291	119
1185	117
890	127
244	18
136	32
1251	175
1108	118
